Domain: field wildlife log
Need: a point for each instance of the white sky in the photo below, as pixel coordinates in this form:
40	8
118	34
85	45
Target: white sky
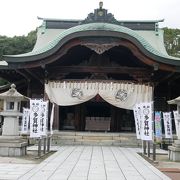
18	17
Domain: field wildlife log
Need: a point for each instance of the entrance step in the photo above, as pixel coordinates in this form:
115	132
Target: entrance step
95	138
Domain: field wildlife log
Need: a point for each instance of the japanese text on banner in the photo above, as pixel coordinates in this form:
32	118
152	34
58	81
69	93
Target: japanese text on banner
25	121
137	117
167	124
146	117
35	113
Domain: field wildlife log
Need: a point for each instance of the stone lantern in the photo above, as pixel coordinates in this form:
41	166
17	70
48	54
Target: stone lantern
11	144
174	150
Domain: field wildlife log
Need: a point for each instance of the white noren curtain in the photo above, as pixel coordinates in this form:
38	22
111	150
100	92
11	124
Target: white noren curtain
120	94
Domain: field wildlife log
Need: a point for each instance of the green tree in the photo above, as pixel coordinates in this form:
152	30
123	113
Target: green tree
172	41
17	44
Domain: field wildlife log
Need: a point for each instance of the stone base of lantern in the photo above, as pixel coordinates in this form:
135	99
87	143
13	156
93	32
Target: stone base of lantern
174	151
13	146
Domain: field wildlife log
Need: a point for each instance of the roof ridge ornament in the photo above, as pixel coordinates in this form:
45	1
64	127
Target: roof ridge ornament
13	88
100	15
100	5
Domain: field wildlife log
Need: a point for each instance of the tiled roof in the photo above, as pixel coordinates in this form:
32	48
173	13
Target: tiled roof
96	27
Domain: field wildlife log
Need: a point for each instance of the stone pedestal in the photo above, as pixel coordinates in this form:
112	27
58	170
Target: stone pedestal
11	123
11	126
174	151
12	146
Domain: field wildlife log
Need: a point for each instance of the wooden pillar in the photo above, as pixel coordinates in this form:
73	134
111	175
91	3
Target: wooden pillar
112	119
118	119
82	115
56	118
77	118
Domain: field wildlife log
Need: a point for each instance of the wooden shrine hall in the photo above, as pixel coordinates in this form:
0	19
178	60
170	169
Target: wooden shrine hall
95	70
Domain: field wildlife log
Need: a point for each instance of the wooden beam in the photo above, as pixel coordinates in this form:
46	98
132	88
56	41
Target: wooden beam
174	78
23	74
34	76
166	78
96	69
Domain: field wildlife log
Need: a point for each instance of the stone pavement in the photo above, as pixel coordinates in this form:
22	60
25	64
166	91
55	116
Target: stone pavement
13	171
94	163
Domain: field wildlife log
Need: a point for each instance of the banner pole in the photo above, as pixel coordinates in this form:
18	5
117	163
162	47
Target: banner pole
44	150
154	151
48	143
144	147
148	148
39	147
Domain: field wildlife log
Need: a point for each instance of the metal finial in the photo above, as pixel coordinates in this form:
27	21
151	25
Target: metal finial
100	5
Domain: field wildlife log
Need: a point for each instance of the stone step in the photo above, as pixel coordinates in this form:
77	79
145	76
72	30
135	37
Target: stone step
95	138
94	142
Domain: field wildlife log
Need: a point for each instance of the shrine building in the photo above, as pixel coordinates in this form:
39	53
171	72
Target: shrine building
95	70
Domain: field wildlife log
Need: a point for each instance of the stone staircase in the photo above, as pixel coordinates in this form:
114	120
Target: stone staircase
95	138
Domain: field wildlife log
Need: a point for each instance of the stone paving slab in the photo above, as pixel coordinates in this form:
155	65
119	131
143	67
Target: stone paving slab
94	163
14	171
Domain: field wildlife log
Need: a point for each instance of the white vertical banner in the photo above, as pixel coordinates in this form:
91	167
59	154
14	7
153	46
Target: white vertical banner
146	118
52	119
175	114
167	124
35	113
177	122
43	118
137	118
25	121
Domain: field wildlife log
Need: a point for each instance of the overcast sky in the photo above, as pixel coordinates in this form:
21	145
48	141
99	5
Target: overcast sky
18	17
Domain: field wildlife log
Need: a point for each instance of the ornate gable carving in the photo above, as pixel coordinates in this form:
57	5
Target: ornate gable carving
100	48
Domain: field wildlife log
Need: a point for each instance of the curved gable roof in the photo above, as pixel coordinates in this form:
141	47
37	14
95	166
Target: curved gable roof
129	34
